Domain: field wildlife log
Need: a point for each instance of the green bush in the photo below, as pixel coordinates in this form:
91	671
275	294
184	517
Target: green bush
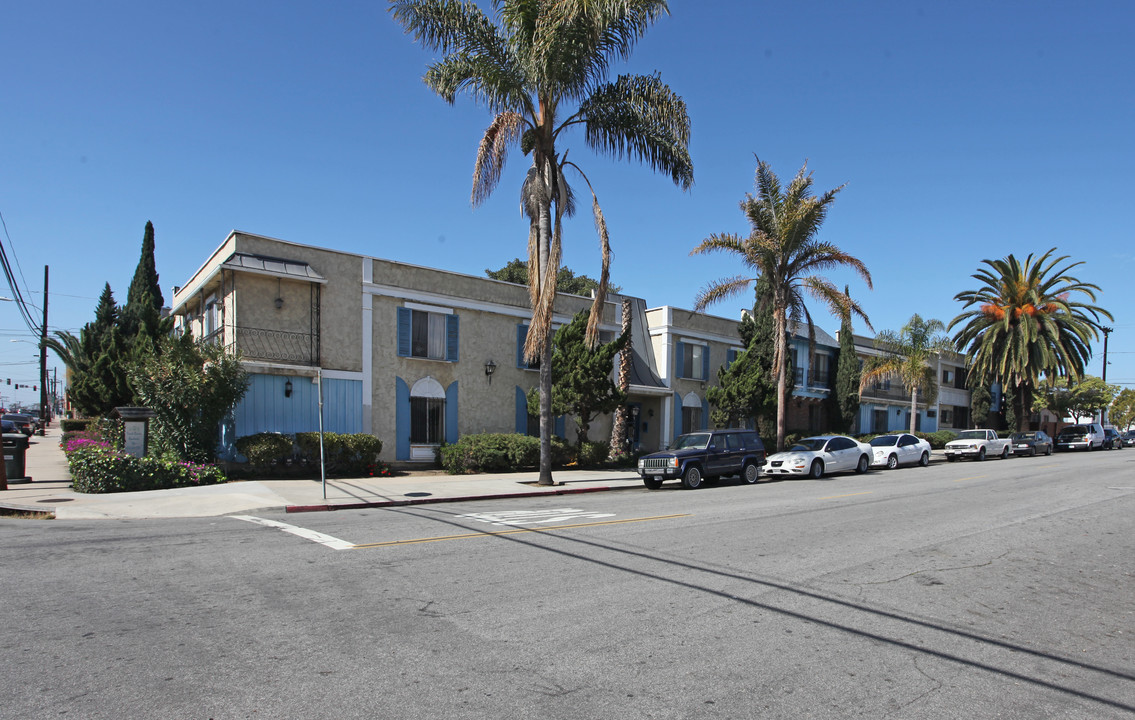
72	425
498	452
593	454
263	449
345	455
937	439
97	469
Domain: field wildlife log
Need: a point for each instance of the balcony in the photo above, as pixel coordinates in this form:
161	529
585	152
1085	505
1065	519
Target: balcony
880	392
277	346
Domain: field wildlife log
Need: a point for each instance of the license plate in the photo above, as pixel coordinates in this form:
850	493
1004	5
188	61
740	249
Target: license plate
658	478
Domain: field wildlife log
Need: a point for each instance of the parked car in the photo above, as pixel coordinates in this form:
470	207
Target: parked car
977	444
1111	439
695	457
890	451
1031	443
815	456
1088	436
7	426
1128	438
24	423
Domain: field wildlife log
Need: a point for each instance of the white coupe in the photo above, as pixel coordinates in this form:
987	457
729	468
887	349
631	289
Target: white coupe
890	451
815	456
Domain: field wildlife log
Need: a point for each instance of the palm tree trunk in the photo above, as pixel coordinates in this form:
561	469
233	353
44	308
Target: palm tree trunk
779	327
619	432
913	408
546	275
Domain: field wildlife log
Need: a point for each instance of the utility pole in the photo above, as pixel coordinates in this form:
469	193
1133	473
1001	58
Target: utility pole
1106	332
43	360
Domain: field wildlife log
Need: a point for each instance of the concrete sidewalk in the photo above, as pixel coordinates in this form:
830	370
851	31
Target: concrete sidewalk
49	490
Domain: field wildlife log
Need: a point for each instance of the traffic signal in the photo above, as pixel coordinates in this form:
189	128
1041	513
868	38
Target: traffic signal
33	388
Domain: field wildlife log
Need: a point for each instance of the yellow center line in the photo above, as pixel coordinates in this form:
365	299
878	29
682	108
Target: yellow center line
831	497
545	528
975	477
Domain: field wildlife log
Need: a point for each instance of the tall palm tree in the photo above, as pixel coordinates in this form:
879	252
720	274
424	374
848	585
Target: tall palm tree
907	355
782	247
1027	322
542	69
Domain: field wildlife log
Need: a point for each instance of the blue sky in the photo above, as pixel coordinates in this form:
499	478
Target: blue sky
963	130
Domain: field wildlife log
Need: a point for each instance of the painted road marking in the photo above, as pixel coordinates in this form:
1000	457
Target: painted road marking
332	542
975	477
469	536
832	497
531	517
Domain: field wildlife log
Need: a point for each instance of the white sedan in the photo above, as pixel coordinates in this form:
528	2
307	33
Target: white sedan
890	451
815	456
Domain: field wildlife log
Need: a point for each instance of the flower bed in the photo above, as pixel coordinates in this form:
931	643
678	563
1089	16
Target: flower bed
98	468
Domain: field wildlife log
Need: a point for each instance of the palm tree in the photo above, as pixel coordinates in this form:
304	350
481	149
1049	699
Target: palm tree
907	354
542	69
782	247
1024	325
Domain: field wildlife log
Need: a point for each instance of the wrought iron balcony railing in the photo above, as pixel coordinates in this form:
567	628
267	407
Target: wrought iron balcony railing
277	345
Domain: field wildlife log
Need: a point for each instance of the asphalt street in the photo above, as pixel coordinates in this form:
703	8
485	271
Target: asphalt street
997	589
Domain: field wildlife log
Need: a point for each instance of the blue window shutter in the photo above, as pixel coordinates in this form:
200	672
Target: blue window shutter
705	362
680	360
404	331
521	412
521	336
677	414
401	419
451	338
731	356
560	430
451	412
704	414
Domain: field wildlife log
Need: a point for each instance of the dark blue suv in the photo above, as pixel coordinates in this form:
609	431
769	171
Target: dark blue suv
697	456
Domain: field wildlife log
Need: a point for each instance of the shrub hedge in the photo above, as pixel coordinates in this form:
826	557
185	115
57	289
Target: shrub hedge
263	449
498	452
345	454
98	468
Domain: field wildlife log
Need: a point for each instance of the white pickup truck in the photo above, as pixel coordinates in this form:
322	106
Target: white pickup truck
977	444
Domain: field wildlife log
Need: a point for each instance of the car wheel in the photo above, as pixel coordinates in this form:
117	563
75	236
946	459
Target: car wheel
864	463
652	483
1005	453
1048	451
817	470
924	460
750	473
981	454
1032	451
892	462
692	477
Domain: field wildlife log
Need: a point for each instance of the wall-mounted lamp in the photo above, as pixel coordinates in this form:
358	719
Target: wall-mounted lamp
288	388
490	368
279	295
650	412
634	411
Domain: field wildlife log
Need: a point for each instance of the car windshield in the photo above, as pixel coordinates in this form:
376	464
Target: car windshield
1074	430
972	435
885	441
809	445
1018	437
698	441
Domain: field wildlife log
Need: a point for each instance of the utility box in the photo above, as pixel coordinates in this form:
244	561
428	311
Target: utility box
15	457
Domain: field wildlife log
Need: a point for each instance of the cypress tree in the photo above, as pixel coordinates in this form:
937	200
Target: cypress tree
847	377
141	319
98	382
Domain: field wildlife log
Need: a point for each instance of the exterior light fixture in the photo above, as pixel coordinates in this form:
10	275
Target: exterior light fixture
279	295
288	388
490	368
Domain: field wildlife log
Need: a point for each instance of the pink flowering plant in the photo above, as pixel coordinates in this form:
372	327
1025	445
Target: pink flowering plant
98	468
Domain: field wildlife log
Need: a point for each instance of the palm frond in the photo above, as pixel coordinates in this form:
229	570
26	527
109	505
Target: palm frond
505	129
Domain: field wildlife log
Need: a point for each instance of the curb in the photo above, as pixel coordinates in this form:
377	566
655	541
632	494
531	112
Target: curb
435	500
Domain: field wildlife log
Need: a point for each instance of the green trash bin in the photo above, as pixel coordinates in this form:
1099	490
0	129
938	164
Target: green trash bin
15	456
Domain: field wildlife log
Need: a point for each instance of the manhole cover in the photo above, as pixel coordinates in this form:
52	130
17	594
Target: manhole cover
56	500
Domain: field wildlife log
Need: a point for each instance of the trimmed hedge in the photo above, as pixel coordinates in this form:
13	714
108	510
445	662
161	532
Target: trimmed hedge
498	452
265	448
74	425
97	468
348	455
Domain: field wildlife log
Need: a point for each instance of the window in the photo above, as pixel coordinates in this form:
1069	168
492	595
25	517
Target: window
815	418
427	334
821	372
693	361
427	412
947	377
691	419
427	420
797	368
960	378
209	319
